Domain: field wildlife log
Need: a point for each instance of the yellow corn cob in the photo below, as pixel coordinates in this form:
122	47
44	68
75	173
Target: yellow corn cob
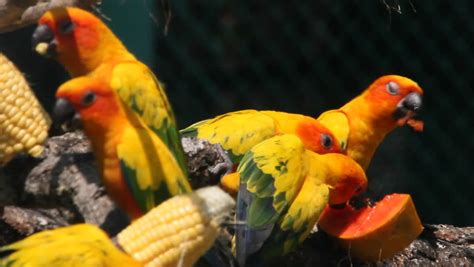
23	122
180	230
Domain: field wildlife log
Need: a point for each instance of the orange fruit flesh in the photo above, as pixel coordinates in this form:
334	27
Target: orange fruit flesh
374	233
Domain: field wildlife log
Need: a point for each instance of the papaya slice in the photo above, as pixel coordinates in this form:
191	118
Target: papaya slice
374	233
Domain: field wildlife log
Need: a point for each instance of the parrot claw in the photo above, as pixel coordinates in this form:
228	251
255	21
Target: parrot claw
221	168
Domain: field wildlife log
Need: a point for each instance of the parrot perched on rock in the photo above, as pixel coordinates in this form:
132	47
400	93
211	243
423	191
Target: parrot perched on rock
84	45
237	132
362	123
137	168
175	233
283	189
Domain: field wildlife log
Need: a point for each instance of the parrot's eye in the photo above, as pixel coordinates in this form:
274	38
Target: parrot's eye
88	99
66	26
393	88
326	141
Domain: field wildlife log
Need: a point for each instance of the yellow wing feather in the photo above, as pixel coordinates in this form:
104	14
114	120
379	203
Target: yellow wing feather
149	168
77	245
134	80
281	157
138	88
304	212
236	132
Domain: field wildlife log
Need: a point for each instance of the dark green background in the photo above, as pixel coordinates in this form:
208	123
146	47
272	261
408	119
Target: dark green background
306	57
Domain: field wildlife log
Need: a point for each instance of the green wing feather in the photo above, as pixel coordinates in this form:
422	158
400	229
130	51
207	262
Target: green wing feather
281	197
139	88
237	132
149	169
271	175
192	130
298	222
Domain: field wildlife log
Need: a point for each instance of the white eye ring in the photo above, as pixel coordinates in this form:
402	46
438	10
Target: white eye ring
393	88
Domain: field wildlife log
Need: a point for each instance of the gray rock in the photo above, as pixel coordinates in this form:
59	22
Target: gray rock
63	180
206	162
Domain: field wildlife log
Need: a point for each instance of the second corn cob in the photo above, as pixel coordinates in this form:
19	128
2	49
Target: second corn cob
180	230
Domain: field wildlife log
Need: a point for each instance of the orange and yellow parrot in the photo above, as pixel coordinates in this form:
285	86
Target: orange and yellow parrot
84	45
283	189
362	123
137	168
237	132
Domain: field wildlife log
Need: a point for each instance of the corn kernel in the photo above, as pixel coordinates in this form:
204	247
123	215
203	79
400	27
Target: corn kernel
18	147
36	150
41	48
9	150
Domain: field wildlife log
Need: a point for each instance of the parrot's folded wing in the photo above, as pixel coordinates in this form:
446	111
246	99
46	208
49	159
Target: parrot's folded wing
271	174
138	87
148	169
237	132
302	215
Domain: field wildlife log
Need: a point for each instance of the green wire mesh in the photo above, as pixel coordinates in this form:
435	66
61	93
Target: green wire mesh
309	56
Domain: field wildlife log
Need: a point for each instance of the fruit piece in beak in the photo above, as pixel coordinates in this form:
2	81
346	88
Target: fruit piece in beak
64	115
407	108
43	41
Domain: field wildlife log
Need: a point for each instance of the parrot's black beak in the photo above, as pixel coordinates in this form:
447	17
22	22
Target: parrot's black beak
409	106
43	41
63	112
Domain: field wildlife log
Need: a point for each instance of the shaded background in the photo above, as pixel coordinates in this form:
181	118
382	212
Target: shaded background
306	57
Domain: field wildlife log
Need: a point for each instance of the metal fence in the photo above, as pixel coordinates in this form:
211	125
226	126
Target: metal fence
309	56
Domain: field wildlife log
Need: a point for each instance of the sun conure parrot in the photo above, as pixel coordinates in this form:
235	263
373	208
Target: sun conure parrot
362	123
237	132
283	189
77	245
83	44
137	168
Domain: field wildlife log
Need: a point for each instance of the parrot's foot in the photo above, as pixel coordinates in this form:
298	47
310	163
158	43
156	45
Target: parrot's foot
222	168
